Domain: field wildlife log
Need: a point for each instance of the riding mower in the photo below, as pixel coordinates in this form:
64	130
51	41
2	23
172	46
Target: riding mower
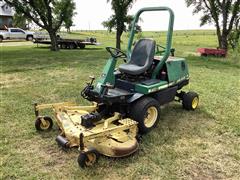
125	101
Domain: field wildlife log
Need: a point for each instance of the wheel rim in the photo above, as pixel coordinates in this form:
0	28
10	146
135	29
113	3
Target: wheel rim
195	102
45	125
91	159
151	116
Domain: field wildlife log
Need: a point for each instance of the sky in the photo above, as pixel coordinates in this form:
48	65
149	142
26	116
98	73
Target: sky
91	14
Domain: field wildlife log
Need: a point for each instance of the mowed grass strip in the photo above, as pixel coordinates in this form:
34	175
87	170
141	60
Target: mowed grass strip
203	144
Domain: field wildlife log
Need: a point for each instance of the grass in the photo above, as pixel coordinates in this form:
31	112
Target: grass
203	144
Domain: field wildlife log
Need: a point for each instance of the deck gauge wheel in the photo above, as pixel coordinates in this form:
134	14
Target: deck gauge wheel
88	158
43	123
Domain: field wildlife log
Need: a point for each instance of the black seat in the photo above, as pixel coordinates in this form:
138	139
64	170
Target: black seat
141	58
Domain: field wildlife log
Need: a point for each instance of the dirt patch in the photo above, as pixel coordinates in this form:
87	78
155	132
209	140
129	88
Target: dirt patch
12	80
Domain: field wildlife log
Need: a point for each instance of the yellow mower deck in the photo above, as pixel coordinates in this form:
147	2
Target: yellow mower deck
113	136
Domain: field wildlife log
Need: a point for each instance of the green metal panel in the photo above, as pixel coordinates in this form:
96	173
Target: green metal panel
144	89
177	69
107	76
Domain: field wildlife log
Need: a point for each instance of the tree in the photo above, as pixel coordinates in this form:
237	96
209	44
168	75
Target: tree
47	14
119	19
222	13
19	20
234	36
68	22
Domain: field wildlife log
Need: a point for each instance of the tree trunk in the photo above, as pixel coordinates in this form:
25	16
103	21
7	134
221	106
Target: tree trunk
219	36
224	42
54	43
222	39
68	30
118	39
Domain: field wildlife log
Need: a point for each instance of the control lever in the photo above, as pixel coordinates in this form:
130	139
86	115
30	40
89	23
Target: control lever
92	80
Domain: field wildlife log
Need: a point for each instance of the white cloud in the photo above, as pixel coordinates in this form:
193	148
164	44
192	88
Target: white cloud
91	14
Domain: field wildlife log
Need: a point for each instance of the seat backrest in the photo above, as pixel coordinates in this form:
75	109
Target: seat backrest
143	53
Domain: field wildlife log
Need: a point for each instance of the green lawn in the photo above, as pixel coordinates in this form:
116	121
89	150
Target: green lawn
204	144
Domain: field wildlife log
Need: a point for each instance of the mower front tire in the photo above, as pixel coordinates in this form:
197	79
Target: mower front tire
43	123
190	100
146	112
88	158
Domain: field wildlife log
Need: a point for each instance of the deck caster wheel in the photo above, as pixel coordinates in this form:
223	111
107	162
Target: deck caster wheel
43	123
190	101
88	158
146	112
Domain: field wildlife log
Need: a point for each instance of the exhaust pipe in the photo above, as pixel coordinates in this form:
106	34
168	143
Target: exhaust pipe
62	141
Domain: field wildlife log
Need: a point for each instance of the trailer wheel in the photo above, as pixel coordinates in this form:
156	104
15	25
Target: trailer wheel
63	46
190	100
43	123
1	38
146	112
88	159
72	46
81	46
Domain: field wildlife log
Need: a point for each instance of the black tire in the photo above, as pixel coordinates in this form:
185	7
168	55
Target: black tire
41	127
1	38
140	112
81	46
88	159
190	100
63	46
29	38
72	46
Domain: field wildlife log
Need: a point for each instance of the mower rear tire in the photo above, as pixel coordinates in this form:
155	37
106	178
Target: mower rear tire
146	112
190	100
88	158
46	126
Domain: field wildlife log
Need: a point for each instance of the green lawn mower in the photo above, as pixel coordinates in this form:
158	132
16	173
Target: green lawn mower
125	101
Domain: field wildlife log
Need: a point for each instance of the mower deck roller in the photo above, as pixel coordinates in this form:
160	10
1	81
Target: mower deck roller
125	101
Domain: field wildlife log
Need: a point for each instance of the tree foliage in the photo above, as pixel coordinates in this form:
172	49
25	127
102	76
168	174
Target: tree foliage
19	20
234	36
68	21
222	13
47	14
120	19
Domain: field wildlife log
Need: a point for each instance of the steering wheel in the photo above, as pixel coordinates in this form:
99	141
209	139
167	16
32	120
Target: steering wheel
116	53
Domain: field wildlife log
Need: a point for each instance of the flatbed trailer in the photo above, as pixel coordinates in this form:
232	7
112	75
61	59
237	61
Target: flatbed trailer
212	52
70	43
